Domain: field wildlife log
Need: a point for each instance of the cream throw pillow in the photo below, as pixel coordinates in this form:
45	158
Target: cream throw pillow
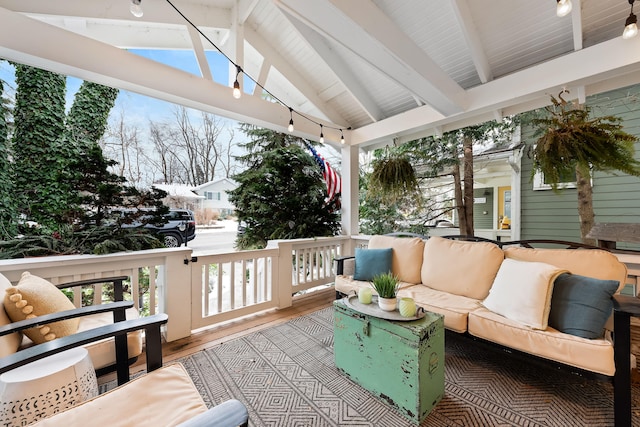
406	258
34	296
9	344
522	292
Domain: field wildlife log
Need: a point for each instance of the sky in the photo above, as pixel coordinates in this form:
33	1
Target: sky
140	109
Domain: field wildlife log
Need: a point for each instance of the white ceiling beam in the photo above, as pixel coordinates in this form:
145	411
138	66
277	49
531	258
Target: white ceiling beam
576	24
200	14
244	9
470	33
294	77
198	49
350	81
618	65
35	43
367	32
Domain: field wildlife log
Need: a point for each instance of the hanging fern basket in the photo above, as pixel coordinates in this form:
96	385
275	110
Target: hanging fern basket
393	177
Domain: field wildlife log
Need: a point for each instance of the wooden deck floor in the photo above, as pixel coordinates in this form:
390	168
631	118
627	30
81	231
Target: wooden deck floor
209	337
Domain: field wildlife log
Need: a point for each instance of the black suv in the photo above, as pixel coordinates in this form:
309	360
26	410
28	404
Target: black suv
179	228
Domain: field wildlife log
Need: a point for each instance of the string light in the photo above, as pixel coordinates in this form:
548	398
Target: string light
136	8
564	8
237	93
341	137
290	128
630	25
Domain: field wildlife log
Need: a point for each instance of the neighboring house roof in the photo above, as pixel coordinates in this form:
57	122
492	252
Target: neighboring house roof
178	190
216	181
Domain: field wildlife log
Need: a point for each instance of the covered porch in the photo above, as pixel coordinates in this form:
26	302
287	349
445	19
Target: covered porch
376	73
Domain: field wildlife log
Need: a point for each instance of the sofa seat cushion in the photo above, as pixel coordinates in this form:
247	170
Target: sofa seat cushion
165	397
103	352
594	355
349	286
454	308
406	259
461	268
595	263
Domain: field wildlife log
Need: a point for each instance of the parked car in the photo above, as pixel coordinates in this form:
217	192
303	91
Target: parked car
179	228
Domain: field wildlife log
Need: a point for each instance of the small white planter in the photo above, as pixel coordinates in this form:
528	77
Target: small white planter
387	304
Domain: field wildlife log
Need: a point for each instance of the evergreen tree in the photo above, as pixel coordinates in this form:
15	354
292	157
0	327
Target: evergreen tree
282	194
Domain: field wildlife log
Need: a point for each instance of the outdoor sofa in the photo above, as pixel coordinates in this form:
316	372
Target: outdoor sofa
555	304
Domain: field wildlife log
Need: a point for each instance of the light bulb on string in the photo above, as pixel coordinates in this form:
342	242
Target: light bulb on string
237	93
341	137
321	135
290	128
564	8
136	8
630	25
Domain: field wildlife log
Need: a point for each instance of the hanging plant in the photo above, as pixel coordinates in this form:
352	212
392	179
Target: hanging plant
393	177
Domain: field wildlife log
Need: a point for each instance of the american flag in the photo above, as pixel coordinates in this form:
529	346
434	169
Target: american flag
331	178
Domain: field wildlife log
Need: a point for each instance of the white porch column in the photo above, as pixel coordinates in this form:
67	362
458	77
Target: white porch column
350	202
515	161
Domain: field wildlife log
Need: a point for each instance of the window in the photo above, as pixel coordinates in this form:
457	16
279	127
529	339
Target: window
540	182
212	195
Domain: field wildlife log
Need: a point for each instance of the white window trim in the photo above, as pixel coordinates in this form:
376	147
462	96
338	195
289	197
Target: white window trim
539	184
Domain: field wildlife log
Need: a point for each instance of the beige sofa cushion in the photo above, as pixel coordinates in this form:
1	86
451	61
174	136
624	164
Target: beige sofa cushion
165	397
407	255
461	268
522	290
586	262
594	355
8	343
34	296
454	308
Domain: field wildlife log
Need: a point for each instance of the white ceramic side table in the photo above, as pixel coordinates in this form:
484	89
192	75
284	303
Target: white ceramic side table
47	386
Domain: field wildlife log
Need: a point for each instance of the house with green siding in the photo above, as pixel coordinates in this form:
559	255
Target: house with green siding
616	196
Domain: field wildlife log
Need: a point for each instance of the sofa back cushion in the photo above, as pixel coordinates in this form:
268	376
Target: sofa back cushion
8	343
595	263
461	268
406	258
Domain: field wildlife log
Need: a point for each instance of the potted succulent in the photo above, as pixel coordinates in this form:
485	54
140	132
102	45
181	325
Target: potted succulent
386	285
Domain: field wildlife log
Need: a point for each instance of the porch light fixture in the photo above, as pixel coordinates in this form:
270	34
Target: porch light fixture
321	135
136	8
630	25
290	128
564	8
237	93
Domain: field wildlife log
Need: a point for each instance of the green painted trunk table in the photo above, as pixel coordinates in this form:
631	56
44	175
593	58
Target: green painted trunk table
400	362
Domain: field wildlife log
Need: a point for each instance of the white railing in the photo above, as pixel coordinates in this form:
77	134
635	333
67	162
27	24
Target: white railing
199	291
203	291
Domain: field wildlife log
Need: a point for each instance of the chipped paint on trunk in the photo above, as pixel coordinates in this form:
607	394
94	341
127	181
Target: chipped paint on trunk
400	362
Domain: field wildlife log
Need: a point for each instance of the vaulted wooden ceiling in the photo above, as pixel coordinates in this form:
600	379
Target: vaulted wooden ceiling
386	69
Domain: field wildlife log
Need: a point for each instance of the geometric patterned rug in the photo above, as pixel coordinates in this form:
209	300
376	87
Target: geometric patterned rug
286	376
